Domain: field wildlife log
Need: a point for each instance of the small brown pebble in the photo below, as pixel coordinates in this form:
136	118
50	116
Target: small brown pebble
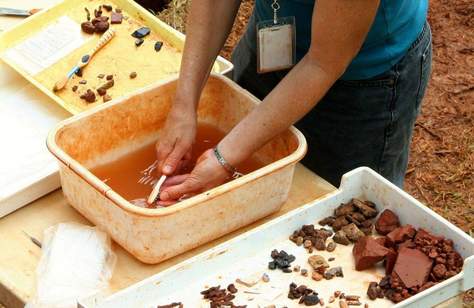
172	305
231	288
296	268
310	250
98	11
320	244
342	296
331	299
109	84
331	259
331	246
366	305
343	304
352	297
83	81
109	77
317	261
372	290
307	244
101	26
299	241
107	7
118	10
101	91
337	294
88	14
100	76
304	272
106	98
316	276
133	75
88	27
99	19
354	303
341	238
89	96
74	88
116	18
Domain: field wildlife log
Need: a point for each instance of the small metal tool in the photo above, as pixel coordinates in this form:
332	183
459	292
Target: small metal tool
5	11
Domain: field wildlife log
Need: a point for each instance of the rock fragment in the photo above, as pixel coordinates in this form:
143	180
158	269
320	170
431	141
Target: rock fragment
387	222
352	232
367	252
412	267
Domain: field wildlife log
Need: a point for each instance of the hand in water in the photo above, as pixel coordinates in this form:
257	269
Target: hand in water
207	174
176	140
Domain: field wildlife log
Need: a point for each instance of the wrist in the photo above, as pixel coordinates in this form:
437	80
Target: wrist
233	155
182	111
230	169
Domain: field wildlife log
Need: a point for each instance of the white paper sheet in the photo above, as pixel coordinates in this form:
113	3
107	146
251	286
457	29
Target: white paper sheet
48	46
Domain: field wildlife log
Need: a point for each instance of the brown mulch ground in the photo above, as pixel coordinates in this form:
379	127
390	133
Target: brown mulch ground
441	167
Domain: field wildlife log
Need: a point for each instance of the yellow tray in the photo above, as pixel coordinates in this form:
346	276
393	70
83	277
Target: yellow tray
119	57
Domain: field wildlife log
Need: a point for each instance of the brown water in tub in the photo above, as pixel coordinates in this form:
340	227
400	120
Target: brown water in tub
133	175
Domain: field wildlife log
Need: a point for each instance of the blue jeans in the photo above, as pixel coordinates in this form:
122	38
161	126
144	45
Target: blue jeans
358	122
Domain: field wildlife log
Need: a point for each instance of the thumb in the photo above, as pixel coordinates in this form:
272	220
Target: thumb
175	192
173	159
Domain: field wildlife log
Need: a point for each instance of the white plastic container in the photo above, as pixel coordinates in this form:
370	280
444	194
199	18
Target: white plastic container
104	133
250	252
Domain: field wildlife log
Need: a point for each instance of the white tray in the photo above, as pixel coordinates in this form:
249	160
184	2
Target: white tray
27	169
249	254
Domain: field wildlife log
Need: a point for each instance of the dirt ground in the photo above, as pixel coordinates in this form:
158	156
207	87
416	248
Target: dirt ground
441	166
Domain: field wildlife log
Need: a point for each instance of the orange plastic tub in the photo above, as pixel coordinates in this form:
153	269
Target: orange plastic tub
107	132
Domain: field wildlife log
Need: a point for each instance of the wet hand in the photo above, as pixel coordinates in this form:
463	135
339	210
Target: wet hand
176	140
207	174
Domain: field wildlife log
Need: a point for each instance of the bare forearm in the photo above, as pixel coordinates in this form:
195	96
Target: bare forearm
339	29
294	96
209	23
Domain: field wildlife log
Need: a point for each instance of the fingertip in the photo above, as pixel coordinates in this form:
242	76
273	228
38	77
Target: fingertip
167	169
164	196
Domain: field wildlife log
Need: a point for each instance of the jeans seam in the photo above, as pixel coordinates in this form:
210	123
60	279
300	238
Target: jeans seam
389	128
424	55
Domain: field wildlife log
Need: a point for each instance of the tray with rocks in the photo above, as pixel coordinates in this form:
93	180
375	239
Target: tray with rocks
48	45
367	244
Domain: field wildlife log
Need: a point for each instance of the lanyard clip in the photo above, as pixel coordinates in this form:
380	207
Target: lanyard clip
275	7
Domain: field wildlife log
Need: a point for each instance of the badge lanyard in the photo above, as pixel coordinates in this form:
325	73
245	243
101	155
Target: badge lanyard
276	42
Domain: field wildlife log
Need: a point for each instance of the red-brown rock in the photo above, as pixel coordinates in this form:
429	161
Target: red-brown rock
401	234
424	237
390	260
412	267
407	244
387	222
367	252
439	270
382	240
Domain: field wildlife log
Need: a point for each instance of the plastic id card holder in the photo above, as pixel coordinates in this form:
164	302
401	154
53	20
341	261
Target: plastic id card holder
276	44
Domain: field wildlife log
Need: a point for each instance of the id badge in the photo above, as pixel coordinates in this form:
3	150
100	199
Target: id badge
276	44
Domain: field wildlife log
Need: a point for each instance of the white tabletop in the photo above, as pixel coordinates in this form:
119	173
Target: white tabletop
27	170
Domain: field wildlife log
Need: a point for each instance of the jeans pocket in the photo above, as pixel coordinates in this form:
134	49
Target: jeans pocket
386	79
